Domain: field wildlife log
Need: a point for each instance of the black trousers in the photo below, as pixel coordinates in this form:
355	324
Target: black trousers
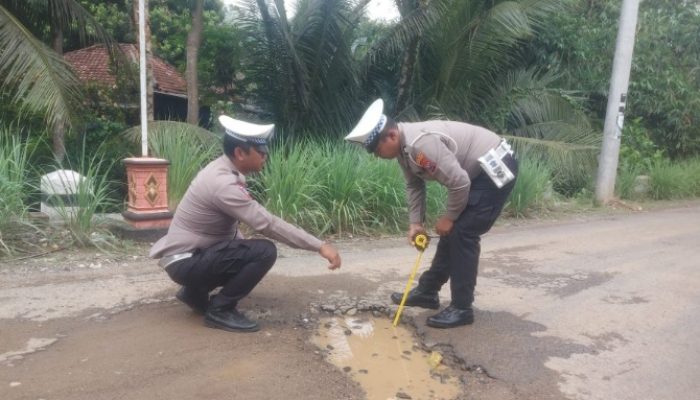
236	266
457	255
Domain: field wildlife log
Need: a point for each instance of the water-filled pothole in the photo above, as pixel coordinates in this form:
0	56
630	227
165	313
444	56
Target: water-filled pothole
387	362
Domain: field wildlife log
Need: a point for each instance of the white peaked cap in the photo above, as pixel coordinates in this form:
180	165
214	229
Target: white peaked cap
371	124
245	131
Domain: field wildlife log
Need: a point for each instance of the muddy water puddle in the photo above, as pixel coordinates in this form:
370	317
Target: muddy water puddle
387	362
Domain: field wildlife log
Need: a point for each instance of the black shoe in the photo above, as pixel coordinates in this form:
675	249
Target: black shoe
229	320
418	298
451	317
197	301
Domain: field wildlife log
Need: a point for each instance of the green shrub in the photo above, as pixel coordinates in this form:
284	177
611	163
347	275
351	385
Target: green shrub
675	180
569	180
530	188
637	151
626	181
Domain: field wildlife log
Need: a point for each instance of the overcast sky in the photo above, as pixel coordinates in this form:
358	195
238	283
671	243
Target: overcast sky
376	9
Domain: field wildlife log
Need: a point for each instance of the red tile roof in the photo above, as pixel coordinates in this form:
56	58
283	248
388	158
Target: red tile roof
92	64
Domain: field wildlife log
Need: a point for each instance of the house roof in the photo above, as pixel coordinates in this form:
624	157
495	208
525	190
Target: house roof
92	64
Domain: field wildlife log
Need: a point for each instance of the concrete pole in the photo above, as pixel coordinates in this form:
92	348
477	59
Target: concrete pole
142	70
617	96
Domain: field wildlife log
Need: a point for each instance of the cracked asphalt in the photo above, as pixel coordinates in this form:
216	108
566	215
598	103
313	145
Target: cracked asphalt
590	306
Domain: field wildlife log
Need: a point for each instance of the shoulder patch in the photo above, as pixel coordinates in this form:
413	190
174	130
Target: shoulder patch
426	163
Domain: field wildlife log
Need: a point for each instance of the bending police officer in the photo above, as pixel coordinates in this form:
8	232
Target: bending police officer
204	248
478	169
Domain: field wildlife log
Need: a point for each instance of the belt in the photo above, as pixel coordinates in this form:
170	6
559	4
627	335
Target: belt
167	260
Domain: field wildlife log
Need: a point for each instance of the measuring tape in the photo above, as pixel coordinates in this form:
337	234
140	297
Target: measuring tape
421	243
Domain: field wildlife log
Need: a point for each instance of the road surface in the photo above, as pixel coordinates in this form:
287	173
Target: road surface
588	307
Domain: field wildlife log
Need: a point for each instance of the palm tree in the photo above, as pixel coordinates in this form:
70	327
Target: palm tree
469	67
408	8
456	59
194	39
304	68
36	75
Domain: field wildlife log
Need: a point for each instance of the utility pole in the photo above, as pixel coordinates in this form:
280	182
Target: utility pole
617	97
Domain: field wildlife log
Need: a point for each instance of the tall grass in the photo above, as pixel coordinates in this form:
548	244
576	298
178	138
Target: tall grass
675	180
14	188
625	183
328	187
325	186
668	180
288	185
343	199
92	195
530	188
331	188
335	188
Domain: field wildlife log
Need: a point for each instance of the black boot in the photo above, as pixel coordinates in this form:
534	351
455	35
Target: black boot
418	298
198	301
451	317
229	319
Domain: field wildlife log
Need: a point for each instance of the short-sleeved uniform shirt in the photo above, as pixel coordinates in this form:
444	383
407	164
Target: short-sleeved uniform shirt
215	203
444	151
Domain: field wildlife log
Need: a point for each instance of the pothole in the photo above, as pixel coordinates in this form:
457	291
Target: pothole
386	361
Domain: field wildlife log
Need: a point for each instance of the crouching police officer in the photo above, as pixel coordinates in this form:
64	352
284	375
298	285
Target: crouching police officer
204	249
479	171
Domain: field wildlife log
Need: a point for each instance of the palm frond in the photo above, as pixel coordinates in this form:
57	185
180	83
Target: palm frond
473	48
43	81
411	26
544	124
305	67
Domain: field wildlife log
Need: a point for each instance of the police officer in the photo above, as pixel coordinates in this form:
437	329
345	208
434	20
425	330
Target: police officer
448	152
204	248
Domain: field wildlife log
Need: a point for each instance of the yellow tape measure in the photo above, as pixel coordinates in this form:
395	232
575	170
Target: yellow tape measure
421	243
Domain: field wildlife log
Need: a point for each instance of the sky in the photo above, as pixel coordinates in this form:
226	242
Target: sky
383	10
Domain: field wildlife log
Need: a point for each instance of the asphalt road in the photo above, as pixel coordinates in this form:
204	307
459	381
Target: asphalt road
588	307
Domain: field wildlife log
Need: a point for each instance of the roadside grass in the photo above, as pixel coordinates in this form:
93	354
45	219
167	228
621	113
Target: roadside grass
329	188
325	187
91	196
675	180
77	217
668	180
288	185
340	189
625	183
14	189
530	190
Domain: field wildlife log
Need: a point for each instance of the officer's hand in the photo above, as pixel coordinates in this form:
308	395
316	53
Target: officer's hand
443	226
413	230
330	253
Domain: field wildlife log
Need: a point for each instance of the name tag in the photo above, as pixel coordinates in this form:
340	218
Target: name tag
492	163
